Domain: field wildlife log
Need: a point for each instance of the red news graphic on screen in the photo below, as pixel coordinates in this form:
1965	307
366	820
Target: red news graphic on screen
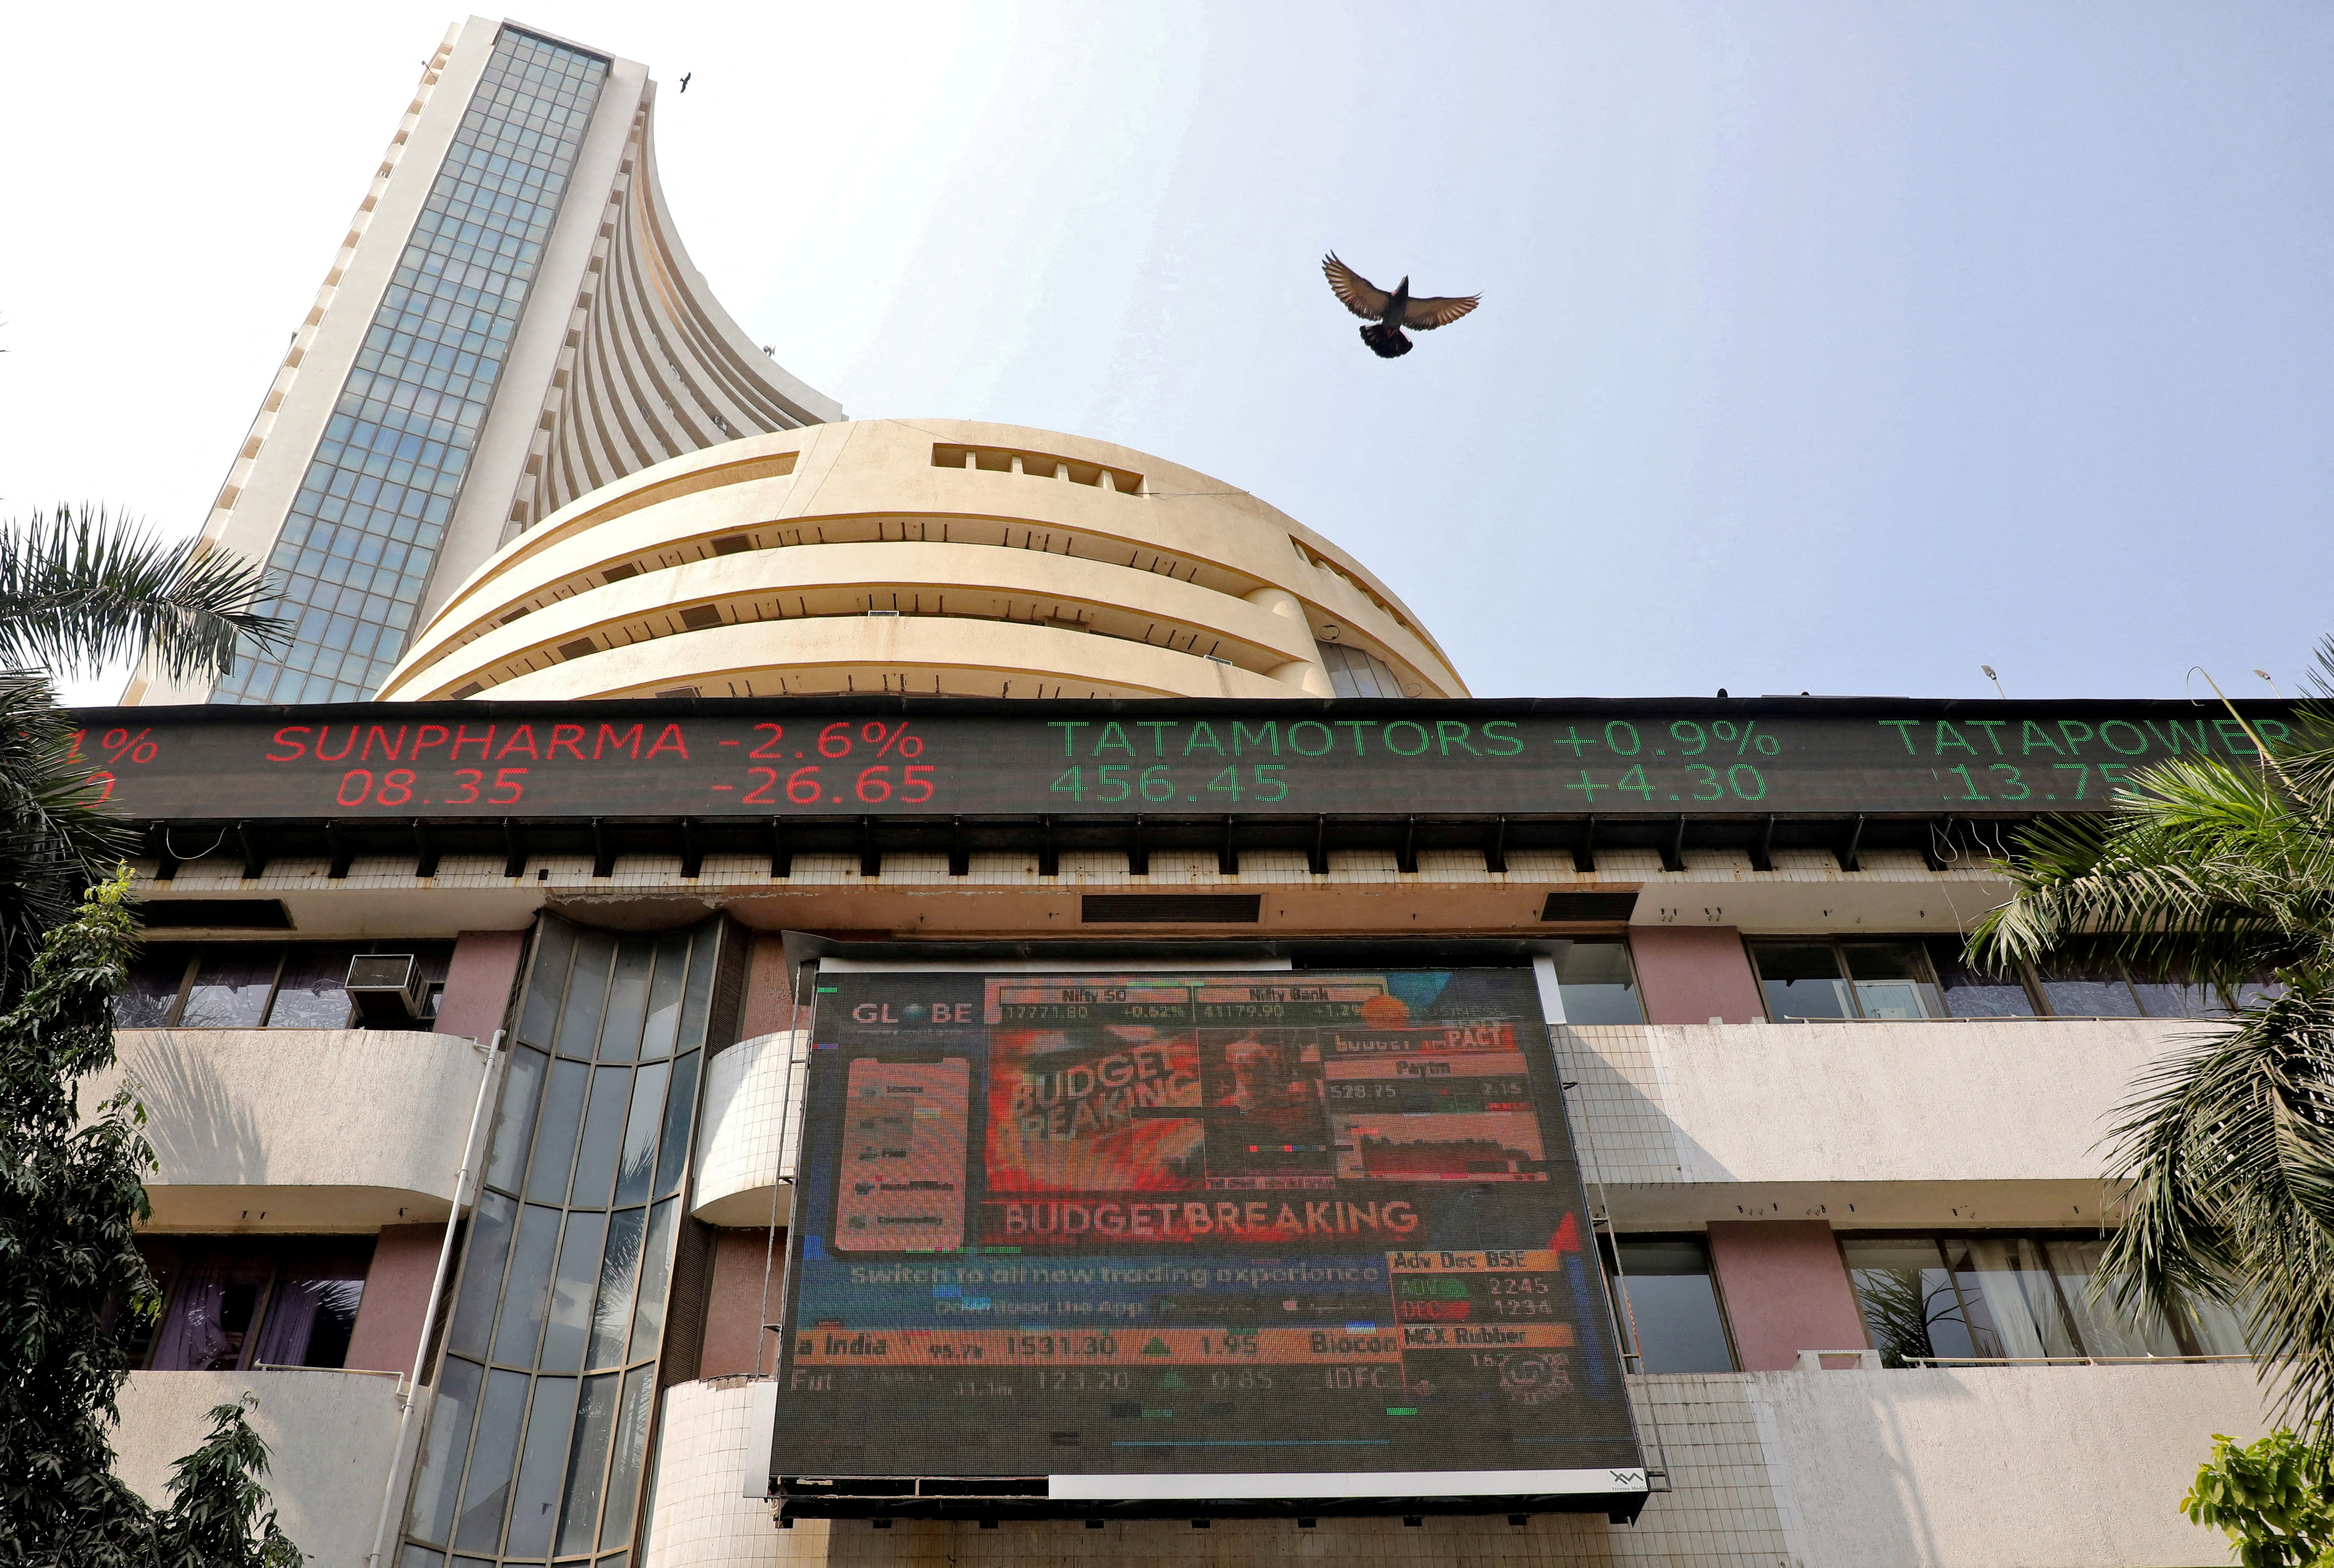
1178	1223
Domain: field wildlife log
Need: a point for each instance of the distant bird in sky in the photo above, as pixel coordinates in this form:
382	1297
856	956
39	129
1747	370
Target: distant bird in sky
1388	314
684	80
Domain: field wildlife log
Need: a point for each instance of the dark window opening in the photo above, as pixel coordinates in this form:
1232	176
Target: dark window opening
240	1304
260	984
1667	1301
1596	983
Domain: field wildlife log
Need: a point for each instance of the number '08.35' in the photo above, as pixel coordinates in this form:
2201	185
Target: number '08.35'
395	787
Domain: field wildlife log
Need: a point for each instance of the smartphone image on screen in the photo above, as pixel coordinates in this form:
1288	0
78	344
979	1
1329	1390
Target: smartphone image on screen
903	1186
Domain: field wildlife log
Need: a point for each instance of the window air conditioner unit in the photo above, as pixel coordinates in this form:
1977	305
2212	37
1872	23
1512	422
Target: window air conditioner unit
387	988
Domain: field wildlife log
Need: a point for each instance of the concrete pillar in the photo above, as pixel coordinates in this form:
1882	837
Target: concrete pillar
1693	974
1786	1290
733	1305
396	1298
480	982
769	988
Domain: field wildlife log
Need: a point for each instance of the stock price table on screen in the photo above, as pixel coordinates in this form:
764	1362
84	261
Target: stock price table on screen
1195	1225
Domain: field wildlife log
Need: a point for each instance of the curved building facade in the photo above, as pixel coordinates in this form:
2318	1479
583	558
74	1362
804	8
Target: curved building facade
510	321
926	557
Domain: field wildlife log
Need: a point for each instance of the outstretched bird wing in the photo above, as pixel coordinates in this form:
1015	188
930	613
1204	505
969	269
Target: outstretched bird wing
1363	297
1438	310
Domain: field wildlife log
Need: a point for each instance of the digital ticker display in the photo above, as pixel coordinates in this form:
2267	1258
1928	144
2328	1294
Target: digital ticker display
1156	1235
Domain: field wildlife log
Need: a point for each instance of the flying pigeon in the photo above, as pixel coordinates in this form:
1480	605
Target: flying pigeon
1388	314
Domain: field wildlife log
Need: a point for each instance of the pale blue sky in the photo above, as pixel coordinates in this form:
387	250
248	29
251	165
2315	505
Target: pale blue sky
1837	347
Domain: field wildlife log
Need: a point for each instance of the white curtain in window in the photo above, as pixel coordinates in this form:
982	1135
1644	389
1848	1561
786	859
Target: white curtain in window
2016	1293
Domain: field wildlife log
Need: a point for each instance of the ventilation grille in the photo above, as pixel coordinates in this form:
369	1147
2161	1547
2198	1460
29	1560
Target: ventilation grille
1171	908
1585	907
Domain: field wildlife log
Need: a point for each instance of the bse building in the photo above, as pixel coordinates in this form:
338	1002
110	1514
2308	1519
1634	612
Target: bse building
756	988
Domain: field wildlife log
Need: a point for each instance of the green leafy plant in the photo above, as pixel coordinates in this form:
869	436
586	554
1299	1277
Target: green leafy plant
70	1197
2270	1498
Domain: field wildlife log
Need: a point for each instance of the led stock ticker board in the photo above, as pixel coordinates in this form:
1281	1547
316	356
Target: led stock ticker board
834	757
1166	1240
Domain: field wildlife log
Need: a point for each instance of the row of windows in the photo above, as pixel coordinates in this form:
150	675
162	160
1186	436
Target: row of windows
257	985
1929	977
1995	1296
357	547
232	1304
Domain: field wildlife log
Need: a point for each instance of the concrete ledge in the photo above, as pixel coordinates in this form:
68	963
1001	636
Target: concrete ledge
298	1129
329	1438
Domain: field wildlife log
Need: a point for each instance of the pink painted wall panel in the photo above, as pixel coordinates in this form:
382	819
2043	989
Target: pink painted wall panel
1692	974
396	1298
1785	1289
769	997
478	984
733	1307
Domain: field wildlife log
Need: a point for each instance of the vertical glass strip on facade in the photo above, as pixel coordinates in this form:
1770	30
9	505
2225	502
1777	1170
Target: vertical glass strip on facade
546	1389
357	546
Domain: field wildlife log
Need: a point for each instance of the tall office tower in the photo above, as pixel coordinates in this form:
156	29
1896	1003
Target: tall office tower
509	323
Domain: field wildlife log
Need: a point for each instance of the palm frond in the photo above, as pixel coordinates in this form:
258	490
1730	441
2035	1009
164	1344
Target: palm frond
2206	867
55	840
2227	1148
80	590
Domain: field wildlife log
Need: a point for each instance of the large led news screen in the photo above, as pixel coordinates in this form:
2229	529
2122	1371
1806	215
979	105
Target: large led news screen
1196	1236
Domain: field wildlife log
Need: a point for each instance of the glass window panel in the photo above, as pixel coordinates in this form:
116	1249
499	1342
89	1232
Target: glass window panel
2077	990
628	1000
527	1296
1675	1306
487	1491
587	1465
587	993
680	1106
2105	1329
535	1502
482	1277
1891	979
663	1026
1910	1307
2006	1283
612	1315
1801	980
603	1132
157	975
554	1142
514	1118
313	1309
613	1560
2216	1330
230	989
313	991
554	945
2174	999
421	1557
631	1445
656	1278
1596	983
2260	988
637	1164
1972	993
431	1513
208	1328
571	1293
697	993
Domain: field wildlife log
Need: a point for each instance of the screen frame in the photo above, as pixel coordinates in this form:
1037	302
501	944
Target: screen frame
1619	1492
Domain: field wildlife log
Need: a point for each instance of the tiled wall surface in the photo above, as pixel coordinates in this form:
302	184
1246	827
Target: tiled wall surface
747	1142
